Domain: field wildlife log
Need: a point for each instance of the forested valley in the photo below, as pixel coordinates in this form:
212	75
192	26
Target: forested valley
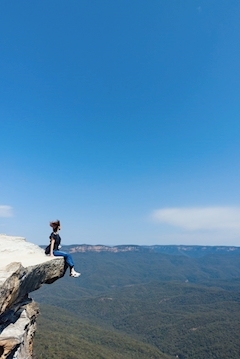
143	304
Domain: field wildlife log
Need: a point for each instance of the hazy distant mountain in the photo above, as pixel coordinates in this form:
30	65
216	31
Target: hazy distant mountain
187	250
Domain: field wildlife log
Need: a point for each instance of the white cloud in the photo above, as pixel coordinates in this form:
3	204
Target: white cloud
5	211
200	218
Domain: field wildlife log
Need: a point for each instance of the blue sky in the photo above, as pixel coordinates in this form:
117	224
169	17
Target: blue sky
121	119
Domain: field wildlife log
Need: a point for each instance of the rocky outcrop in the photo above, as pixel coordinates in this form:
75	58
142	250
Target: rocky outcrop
24	267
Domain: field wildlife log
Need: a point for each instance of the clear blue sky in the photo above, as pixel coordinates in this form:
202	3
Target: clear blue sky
122	119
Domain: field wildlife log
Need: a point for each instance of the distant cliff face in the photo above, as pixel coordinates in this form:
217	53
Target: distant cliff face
101	248
23	268
189	250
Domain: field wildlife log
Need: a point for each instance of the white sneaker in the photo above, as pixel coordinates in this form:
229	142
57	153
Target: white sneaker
75	274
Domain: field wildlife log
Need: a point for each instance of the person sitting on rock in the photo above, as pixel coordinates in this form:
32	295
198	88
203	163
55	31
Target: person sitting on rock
55	241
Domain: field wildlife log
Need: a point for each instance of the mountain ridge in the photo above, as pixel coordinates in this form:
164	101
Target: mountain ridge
187	250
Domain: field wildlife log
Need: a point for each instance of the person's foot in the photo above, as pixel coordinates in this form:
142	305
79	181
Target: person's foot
74	274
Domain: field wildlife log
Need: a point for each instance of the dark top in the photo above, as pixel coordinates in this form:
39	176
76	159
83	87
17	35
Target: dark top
57	240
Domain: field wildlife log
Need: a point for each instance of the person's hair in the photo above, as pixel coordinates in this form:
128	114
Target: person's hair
55	224
55	228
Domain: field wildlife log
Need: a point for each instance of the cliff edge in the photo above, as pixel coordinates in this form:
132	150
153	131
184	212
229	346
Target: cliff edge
24	267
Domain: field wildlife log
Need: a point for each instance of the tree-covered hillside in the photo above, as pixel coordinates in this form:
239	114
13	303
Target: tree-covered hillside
177	305
61	335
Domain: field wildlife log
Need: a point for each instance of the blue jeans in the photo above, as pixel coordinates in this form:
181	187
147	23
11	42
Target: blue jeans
67	257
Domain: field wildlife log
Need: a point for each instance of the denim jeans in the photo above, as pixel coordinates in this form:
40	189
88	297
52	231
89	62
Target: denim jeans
67	257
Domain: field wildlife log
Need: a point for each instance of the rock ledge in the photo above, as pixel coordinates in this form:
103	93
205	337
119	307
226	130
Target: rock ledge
24	267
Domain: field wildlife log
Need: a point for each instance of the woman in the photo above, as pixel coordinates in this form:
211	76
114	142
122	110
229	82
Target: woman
55	241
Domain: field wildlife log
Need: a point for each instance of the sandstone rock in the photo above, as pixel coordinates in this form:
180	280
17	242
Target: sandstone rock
24	267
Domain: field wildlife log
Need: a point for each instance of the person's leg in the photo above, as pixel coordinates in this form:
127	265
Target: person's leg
67	256
69	261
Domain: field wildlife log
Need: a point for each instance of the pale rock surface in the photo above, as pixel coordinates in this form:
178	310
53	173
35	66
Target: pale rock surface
24	267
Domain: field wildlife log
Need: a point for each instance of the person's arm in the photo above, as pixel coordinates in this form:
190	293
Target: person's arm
52	246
